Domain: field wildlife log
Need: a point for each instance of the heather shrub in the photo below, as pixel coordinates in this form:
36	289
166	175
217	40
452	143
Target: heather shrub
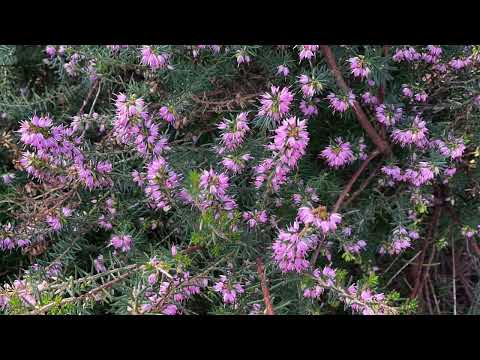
221	179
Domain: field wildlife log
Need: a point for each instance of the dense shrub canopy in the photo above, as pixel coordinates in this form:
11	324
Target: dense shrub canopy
215	179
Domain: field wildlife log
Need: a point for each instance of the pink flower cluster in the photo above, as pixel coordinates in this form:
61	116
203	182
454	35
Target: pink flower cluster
417	177
170	295
309	107
214	188
155	61
291	247
307	51
242	56
133	125
309	86
57	157
168	114
323	279
459	64
453	148
161	183
365	302
370	99
288	146
358	67
253	218
234	131
420	97
105	220
338	154
276	104
229	290
319	218
121	243
341	104
406	54
416	134
9	239
401	240
388	115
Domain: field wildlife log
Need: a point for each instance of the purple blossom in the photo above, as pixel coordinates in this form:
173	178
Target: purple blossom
229	290
121	242
341	104
388	115
54	222
276	104
307	51
320	218
358	67
339	154
283	70
152	59
290	249
99	264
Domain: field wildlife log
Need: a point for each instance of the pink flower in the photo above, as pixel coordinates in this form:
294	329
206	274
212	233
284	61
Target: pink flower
415	134
236	163
228	290
234	131
339	154
242	57
8	178
153	60
341	104
51	51
215	184
370	99
407	91
254	218
307	51
290	141
290	250
99	264
276	104
121	242
167	113
54	222
282	70
170	309
320	218
309	108
388	115
358	67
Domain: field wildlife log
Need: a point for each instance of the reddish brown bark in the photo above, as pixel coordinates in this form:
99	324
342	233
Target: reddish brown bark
264	285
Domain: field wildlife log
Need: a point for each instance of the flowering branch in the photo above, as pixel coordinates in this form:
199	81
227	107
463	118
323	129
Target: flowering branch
361	116
345	193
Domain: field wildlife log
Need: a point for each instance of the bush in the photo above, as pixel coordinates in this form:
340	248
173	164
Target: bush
214	179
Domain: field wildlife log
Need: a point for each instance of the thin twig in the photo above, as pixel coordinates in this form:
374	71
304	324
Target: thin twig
264	285
354	178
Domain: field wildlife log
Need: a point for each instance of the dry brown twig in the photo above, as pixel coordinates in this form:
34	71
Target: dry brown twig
264	284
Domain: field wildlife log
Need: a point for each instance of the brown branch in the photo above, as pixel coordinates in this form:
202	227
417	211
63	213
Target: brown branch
354	178
89	95
363	185
263	284
345	193
361	116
